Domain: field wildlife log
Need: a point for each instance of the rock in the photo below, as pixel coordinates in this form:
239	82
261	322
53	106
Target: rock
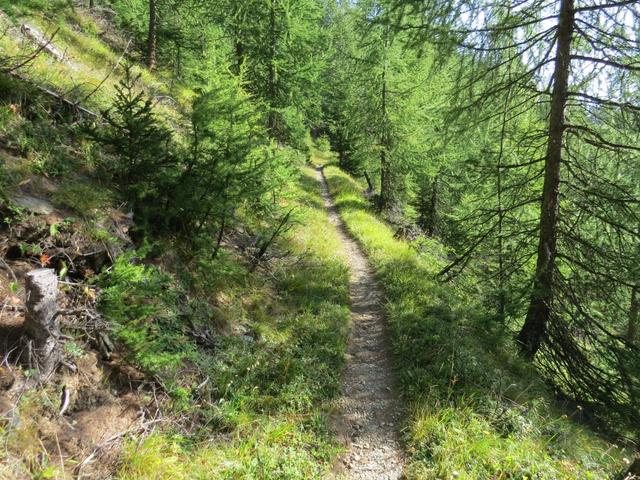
35	205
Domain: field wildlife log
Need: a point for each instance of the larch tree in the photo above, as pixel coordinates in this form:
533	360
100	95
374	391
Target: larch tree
573	64
381	119
277	56
152	36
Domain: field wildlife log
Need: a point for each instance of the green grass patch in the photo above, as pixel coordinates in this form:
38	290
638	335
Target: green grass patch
88	59
84	198
476	411
273	366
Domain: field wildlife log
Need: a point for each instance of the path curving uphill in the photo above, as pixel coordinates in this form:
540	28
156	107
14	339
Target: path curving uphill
369	410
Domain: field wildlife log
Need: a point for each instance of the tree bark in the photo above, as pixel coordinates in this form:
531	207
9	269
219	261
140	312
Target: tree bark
385	170
152	38
41	323
534	330
634	311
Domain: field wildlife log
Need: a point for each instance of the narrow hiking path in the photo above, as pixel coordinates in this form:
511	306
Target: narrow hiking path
368	407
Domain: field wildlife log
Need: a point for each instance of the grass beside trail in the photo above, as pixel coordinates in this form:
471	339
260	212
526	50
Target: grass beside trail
89	62
476	410
270	398
252	402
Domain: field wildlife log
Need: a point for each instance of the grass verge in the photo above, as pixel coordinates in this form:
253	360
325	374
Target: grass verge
475	410
264	412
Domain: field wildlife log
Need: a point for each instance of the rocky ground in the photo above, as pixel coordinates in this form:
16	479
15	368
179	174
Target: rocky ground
369	408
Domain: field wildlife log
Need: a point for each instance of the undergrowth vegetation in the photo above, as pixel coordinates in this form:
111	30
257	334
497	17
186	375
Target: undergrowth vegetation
259	379
476	411
154	155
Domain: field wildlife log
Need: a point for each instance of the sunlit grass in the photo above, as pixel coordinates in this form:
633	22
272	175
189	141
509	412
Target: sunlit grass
476	411
89	62
274	394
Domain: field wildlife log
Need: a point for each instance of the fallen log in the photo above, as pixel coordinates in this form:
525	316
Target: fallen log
41	41
72	105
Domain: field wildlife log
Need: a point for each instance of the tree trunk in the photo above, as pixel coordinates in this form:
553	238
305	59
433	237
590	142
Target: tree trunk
534	330
239	52
369	182
274	124
432	212
385	181
152	38
634	310
385	171
41	323
223	225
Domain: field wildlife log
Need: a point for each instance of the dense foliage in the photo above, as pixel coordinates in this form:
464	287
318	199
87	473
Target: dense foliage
499	141
508	133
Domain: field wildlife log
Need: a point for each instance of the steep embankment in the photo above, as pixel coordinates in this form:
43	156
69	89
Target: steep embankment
475	410
238	382
88	55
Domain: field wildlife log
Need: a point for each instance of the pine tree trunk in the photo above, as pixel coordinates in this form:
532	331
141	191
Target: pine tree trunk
152	38
534	330
634	311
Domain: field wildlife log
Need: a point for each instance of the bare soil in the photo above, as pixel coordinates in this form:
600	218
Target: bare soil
107	399
369	409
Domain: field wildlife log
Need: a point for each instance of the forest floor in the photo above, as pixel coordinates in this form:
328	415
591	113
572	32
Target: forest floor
369	408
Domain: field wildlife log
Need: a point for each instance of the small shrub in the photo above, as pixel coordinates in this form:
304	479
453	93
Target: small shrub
139	144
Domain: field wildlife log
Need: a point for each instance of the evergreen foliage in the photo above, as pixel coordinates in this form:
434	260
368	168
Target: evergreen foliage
499	144
139	145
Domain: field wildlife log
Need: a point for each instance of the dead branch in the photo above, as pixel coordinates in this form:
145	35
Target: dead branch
108	75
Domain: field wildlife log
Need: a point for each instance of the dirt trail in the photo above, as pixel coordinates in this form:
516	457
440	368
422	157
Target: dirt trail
369	408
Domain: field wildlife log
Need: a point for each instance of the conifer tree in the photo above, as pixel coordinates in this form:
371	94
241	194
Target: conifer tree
573	65
140	144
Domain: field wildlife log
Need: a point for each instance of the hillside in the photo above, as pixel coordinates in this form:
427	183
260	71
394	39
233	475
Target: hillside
317	239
